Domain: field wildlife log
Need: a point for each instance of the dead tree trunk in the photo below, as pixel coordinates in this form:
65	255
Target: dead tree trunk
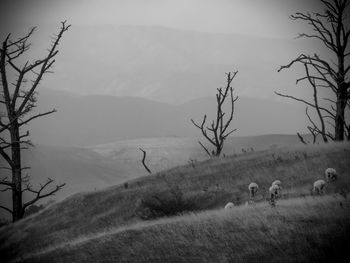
18	211
19	100
342	97
218	131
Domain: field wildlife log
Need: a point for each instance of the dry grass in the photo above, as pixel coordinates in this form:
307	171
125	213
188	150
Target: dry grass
222	180
299	230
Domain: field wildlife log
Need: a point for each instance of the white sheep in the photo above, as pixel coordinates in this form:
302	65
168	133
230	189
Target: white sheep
229	205
274	192
253	188
331	174
279	184
274	189
319	186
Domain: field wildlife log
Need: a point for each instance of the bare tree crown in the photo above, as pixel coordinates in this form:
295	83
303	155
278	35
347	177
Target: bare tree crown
331	28
219	130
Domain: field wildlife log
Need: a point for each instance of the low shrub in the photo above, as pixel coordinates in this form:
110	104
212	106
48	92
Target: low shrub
172	200
164	202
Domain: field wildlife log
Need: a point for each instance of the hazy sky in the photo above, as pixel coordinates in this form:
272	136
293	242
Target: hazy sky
267	18
92	45
256	17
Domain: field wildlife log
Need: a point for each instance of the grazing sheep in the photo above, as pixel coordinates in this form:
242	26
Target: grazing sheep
279	184
331	174
274	192
319	186
253	188
229	205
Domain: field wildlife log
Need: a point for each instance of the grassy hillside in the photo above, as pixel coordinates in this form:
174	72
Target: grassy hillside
212	182
96	167
298	230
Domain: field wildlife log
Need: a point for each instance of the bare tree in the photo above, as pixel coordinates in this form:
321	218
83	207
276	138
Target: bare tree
143	160
19	97
331	29
218	131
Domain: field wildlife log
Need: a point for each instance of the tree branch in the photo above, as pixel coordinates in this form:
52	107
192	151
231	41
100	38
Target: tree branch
4	181
301	138
205	149
39	194
45	65
143	161
37	116
304	101
6	157
6	209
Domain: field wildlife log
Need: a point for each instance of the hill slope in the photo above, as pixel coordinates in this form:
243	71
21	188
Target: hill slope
213	182
99	166
298	230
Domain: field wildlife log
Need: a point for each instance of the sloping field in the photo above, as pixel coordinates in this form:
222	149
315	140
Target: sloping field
215	182
298	230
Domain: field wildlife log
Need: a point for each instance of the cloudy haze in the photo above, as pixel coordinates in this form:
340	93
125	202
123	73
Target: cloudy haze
169	51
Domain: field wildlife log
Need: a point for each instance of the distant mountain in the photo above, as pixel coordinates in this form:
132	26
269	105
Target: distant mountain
98	119
167	65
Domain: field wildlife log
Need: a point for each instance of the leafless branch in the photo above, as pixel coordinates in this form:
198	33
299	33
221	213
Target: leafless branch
301	138
6	209
143	160
39	194
304	101
45	64
37	116
6	182
205	149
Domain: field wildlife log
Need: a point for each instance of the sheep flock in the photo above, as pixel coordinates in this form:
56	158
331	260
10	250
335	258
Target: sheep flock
275	190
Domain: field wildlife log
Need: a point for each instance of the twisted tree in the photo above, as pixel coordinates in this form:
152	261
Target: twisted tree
218	131
18	98
330	28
